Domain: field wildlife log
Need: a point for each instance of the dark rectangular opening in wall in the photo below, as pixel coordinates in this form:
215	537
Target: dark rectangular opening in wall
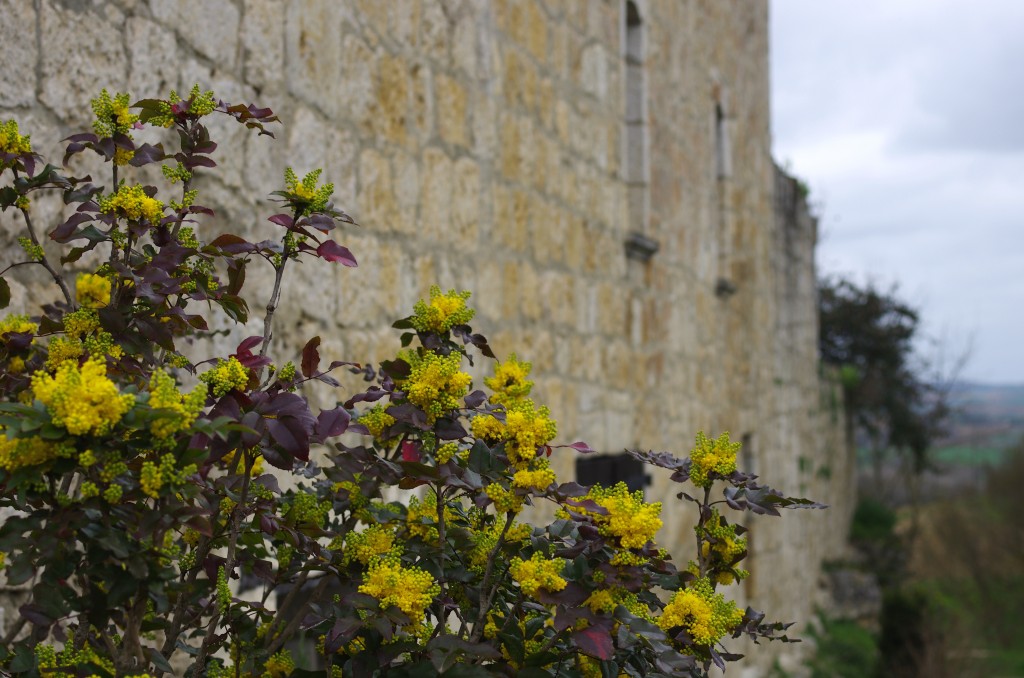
607	470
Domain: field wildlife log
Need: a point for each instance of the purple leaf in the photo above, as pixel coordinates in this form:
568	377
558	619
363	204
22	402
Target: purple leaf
595	642
282	220
310	357
332	251
332	422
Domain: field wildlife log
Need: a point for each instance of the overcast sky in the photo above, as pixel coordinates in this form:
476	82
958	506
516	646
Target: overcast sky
906	119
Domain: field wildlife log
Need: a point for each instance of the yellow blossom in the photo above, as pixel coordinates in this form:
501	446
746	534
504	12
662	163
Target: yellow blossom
442	311
505	501
538	573
11	141
17	453
92	291
525	429
705	615
16	365
376	420
435	383
510	382
82	400
177	410
421	517
307	196
228	375
410	589
712	455
132	203
630	520
366	545
279	665
17	324
538	478
486	539
112	114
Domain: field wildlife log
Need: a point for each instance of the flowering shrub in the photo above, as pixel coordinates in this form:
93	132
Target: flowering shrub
139	507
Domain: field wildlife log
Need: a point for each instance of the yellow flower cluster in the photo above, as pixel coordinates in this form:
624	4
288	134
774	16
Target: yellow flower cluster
82	399
410	589
49	660
525	429
132	203
199	104
484	541
257	464
11	141
538	478
505	501
307	197
629	519
445	453
17	324
436	383
279	665
84	335
442	312
421	517
376	420
228	375
706	615
606	600
153	477
366	545
510	383
178	410
712	455
92	291
112	114
538	573
18	453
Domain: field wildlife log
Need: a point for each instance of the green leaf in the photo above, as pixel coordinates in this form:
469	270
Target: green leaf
5	294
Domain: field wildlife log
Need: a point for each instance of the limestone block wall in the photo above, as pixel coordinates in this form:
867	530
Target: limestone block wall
481	144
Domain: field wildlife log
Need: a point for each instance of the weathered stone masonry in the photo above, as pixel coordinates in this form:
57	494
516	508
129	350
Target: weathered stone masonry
512	148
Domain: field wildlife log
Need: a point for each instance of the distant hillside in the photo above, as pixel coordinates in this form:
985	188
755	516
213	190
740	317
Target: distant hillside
986	419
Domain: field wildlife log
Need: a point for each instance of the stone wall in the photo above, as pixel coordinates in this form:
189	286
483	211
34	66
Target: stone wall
483	145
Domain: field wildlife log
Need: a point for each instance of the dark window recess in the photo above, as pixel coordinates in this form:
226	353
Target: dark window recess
606	470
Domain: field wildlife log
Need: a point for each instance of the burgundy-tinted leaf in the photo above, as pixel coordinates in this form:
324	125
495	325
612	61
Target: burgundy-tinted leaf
475	399
332	423
35	615
232	244
193	161
201	524
310	357
407	413
595	642
282	220
248	344
332	251
447	428
321	222
64	232
579	447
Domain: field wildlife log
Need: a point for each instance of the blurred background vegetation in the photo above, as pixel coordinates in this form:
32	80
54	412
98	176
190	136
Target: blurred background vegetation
938	530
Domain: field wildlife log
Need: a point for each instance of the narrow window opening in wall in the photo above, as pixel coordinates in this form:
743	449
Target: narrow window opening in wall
636	169
723	166
607	470
725	286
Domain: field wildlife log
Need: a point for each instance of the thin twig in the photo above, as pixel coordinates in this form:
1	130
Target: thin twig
44	262
485	598
229	565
